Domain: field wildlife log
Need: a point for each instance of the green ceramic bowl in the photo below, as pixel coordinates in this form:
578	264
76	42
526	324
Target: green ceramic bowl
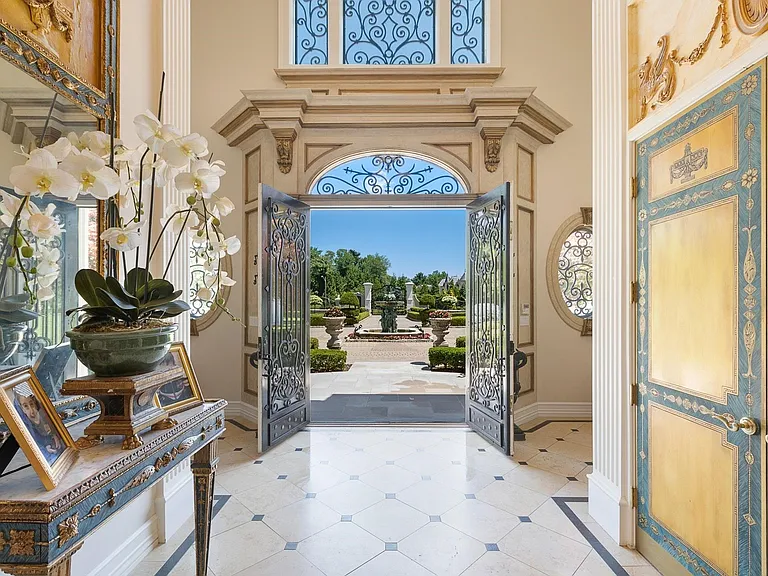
124	353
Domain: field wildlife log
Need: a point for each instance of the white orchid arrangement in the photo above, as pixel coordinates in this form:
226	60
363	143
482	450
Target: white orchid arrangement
95	164
165	156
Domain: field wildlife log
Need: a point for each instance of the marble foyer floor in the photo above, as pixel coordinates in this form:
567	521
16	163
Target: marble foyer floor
402	501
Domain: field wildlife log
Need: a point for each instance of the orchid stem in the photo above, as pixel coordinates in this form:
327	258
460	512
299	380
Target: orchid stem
152	190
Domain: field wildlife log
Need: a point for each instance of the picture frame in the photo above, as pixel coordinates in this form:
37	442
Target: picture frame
32	420
183	393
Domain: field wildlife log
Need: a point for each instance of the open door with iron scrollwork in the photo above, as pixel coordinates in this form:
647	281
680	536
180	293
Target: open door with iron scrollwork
283	356
488	311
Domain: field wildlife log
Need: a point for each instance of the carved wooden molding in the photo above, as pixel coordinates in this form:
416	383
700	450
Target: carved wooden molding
492	147
284	140
751	16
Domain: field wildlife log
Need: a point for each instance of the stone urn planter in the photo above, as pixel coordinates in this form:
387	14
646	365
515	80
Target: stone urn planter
334	324
441	324
122	352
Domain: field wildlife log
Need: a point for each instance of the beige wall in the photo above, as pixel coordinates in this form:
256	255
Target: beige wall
545	44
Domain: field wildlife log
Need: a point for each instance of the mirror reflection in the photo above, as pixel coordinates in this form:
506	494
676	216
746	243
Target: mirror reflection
34	116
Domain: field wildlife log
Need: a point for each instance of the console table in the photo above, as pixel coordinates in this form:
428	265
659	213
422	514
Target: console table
40	530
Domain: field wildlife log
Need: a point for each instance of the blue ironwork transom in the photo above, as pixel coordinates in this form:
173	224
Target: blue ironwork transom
467	31
311	32
383	174
389	31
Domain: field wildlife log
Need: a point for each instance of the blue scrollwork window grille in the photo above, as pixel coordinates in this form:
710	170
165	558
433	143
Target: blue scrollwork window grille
574	272
383	174
467	31
311	21
389	31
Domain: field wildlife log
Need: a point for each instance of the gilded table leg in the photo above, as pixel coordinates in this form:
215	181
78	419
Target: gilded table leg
204	470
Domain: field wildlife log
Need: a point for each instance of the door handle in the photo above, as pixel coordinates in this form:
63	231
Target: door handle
746	425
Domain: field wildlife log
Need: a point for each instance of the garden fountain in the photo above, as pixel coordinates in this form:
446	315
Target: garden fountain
389	329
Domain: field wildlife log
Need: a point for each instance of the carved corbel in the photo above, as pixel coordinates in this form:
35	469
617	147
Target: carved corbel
284	140
492	147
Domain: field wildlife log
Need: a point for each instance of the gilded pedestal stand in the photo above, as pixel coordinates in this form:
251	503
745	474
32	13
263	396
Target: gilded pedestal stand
204	465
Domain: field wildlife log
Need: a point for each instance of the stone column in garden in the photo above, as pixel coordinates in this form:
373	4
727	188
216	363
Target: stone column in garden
409	294
368	286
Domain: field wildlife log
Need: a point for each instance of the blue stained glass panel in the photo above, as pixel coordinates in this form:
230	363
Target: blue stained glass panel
389	31
311	32
467	31
382	174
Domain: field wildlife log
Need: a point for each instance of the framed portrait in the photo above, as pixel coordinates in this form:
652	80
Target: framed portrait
34	423
182	393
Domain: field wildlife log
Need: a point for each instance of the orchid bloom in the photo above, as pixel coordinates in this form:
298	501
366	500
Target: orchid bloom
93	175
60	149
204	293
199	180
123	239
47	261
154	133
221	278
222	206
42	224
180	218
178	153
9	208
221	248
41	175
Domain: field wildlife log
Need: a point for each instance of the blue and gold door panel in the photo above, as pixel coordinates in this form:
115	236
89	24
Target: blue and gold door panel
700	335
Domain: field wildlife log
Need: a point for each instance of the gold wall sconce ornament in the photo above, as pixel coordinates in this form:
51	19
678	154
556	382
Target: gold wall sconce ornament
658	78
751	16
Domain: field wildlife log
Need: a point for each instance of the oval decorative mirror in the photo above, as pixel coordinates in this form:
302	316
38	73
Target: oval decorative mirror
569	271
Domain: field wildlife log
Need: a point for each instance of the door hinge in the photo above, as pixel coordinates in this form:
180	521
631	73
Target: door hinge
634	187
634	497
635	292
633	394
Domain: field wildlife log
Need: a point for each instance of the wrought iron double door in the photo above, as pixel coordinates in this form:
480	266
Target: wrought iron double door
283	359
284	348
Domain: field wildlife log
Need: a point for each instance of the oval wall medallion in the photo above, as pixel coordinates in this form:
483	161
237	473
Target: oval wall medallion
751	15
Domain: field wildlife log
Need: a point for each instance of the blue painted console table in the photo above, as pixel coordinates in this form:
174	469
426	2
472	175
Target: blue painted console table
40	530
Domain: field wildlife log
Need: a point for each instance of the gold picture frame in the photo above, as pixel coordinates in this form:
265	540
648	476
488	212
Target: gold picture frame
180	394
32	420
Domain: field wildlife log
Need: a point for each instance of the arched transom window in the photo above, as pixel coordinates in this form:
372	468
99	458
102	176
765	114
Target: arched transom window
388	173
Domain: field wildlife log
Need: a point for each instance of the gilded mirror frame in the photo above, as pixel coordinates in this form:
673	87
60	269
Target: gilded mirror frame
576	222
28	54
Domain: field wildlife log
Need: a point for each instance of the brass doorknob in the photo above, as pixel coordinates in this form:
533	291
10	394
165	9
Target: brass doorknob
746	425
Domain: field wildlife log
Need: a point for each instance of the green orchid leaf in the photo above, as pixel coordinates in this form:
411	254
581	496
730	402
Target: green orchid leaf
170	310
155	289
87	283
115	300
116	289
136	279
157	302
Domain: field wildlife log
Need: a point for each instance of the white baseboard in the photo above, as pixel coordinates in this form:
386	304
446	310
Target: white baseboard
554	411
614	513
241	409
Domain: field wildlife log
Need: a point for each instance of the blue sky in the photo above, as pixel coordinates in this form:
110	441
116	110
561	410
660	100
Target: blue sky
413	240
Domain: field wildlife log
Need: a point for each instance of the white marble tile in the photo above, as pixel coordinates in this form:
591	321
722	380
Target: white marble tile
241	547
390	520
420	439
642	571
580	437
465	480
423	463
390	479
391	564
431	497
350	497
492	461
231	515
512	498
536	479
594	566
550	516
328	451
361	437
574	489
499	564
544	550
270	496
357	463
143	569
340	549
482	521
319	477
232	460
557	464
245	478
442	549
286	563
390	450
624	556
572	450
524	451
302	519
293	464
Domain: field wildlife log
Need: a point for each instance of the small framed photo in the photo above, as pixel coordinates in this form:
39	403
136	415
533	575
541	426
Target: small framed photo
32	420
182	393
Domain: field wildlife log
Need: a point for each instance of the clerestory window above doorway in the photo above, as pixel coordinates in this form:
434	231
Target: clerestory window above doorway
392	32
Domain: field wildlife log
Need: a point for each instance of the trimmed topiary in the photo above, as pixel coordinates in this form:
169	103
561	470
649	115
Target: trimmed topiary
314	343
321	360
453	359
461	342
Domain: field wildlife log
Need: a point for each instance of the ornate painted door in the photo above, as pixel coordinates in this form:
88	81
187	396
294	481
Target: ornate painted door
488	281
284	347
700	335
